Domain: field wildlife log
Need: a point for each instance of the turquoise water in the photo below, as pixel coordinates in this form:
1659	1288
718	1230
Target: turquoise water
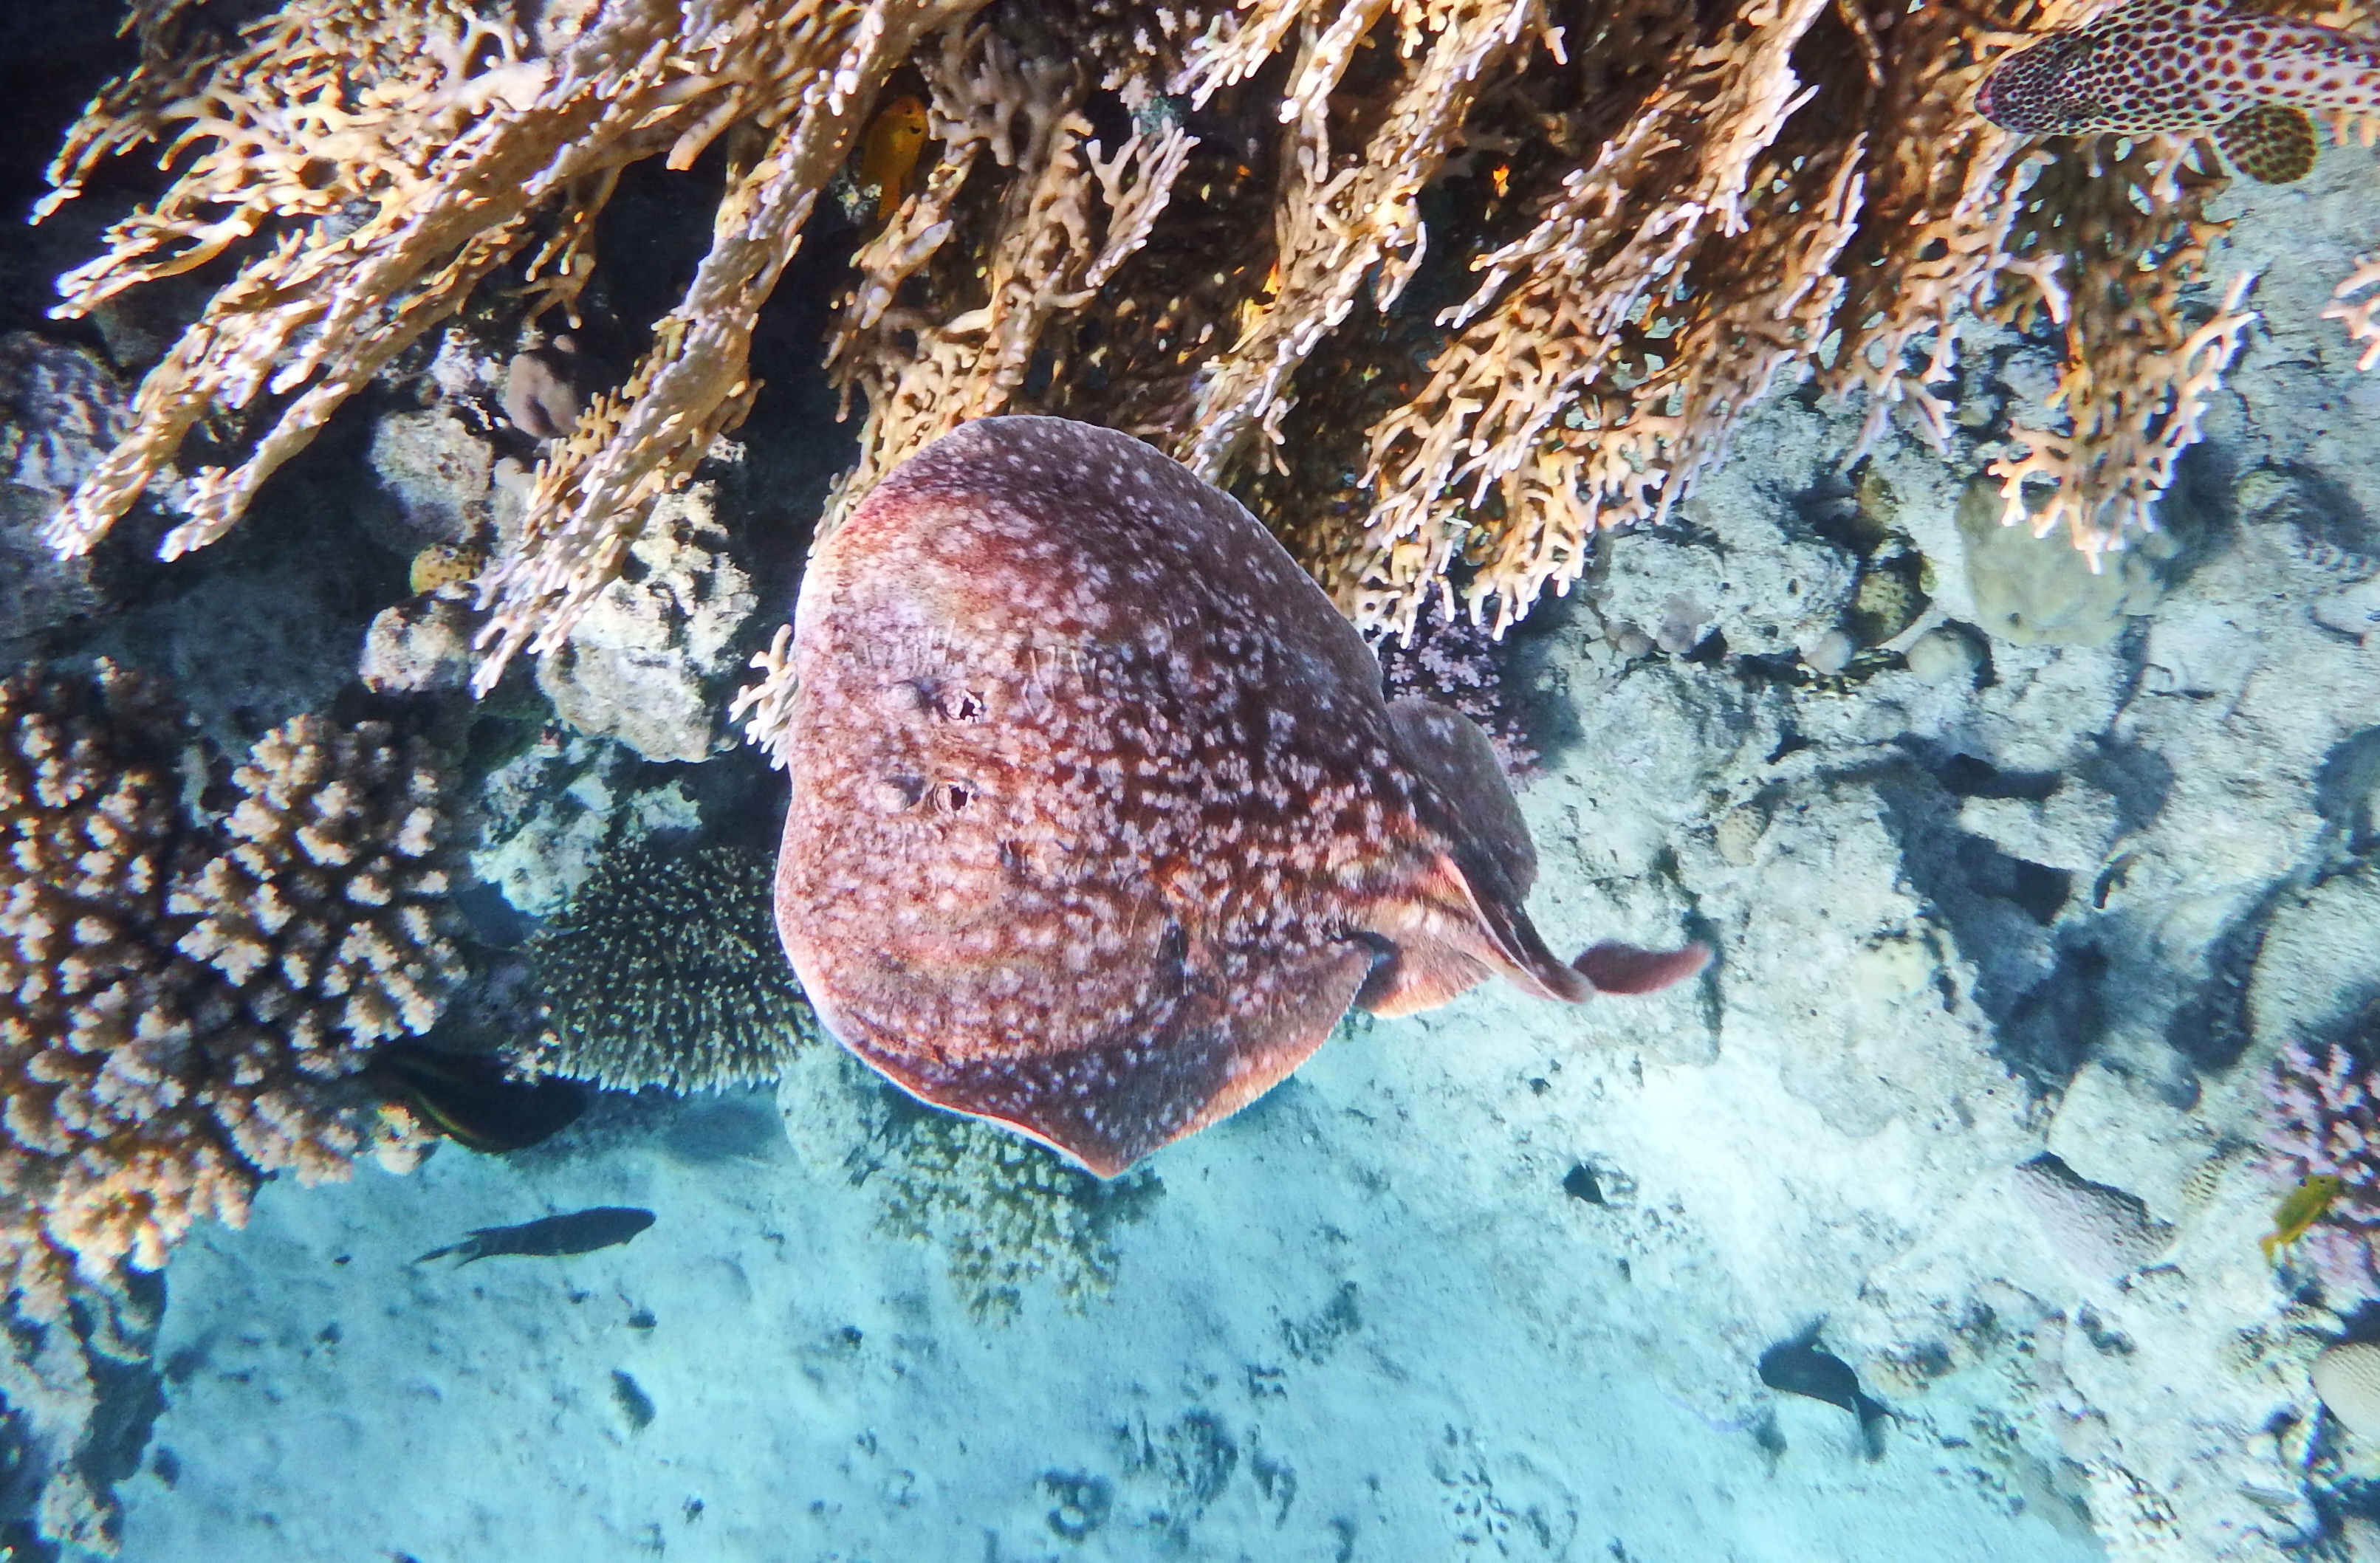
1923	1225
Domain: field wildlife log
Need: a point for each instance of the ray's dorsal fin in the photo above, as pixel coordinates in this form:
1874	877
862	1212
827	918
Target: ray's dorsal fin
1466	920
1455	757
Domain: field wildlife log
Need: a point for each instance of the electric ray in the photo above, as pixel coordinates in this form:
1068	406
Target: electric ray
1100	819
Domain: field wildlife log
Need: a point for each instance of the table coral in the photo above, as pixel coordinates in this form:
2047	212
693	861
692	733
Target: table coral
185	1004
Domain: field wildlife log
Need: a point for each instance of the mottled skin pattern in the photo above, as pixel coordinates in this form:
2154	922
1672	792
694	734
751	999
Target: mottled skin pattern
2188	67
1099	821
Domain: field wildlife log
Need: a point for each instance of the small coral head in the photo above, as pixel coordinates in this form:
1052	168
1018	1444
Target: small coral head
1099	821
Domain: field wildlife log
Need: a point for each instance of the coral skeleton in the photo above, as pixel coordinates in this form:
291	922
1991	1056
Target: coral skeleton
185	1006
1533	263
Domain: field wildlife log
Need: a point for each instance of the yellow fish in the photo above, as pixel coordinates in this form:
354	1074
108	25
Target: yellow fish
888	150
2298	1209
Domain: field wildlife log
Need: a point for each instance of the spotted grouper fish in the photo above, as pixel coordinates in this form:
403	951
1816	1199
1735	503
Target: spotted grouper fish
1099	819
2189	67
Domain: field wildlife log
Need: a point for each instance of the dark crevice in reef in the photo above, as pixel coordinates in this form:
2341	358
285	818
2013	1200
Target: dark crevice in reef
96	1364
1969	776
53	55
2140	780
2051	964
2055	1024
2040	986
21	1473
124	1377
2199	514
2343	788
2210	1028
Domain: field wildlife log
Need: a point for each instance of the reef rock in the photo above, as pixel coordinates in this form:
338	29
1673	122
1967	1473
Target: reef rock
645	663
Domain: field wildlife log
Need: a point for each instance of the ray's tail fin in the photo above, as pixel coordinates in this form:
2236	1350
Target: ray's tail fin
1614	967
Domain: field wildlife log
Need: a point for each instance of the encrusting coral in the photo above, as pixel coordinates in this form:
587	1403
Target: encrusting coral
185	1005
1240	232
665	971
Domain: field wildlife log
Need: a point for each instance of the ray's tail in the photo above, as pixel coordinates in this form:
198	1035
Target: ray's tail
1614	967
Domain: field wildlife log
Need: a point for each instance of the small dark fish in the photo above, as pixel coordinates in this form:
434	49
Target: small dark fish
580	1231
634	1403
1802	1366
474	1099
1580	1183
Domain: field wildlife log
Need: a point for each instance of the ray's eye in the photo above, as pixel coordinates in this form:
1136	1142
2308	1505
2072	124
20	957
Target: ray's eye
954	796
901	792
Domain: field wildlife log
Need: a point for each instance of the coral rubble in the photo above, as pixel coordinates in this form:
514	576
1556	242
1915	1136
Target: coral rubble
185	1006
1186	222
665	971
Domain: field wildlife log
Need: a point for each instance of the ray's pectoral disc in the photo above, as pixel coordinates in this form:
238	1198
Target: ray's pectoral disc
1099	821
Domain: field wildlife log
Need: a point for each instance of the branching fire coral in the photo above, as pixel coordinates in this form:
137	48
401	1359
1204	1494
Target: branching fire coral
2138	365
367	164
185	1007
1776	188
1535	259
1068	216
